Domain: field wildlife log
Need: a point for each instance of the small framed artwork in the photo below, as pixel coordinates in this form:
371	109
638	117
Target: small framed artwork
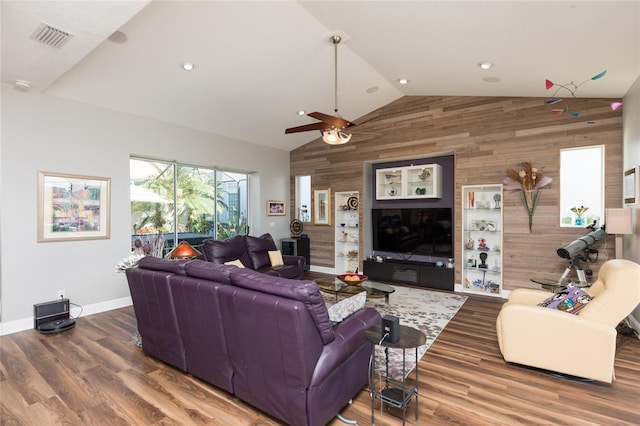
276	208
73	207
322	206
630	186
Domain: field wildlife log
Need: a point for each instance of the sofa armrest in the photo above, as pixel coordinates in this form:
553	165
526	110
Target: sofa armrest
350	335
289	259
557	341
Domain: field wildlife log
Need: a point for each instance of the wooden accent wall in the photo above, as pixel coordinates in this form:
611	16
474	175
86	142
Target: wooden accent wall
487	135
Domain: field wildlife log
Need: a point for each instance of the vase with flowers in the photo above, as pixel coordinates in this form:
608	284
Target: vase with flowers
528	180
580	211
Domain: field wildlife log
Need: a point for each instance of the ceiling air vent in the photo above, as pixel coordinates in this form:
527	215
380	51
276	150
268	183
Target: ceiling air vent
51	36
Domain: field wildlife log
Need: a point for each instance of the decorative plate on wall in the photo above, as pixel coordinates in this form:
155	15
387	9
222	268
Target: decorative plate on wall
295	227
352	203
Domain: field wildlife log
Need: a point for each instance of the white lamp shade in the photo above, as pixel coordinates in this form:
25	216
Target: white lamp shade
618	221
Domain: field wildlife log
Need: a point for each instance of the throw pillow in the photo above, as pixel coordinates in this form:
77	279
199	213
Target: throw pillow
275	257
568	299
235	263
347	307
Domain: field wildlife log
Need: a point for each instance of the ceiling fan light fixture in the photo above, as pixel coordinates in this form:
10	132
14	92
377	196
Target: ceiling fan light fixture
335	137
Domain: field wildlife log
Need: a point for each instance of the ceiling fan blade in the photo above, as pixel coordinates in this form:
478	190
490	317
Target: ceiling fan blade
334	121
308	127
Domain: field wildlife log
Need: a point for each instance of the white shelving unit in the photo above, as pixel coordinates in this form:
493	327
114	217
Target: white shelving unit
409	182
482	239
347	232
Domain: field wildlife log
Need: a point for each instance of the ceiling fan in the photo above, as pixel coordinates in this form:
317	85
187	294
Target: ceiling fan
331	126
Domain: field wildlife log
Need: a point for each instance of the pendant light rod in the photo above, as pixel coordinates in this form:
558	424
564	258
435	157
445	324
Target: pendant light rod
336	39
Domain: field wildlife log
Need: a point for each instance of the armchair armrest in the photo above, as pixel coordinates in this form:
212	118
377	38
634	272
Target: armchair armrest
350	335
557	341
528	296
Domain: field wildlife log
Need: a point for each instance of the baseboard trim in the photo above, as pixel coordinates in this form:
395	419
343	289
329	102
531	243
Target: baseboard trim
322	269
16	326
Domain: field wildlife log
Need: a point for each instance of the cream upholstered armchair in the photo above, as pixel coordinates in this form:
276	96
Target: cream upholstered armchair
581	344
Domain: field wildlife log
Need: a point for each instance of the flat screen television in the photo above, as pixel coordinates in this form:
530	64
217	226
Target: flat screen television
415	231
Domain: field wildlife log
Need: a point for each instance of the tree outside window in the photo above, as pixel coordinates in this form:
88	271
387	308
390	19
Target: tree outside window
181	202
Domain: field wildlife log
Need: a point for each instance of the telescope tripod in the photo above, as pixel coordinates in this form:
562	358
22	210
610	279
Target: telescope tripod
575	265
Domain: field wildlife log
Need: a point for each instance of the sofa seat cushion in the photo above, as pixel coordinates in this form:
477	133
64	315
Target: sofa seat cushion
305	291
210	271
284	271
231	249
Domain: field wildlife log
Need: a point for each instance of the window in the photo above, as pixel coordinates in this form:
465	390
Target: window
581	186
186	202
303	198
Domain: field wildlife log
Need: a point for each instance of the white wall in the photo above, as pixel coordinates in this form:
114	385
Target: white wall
45	133
631	158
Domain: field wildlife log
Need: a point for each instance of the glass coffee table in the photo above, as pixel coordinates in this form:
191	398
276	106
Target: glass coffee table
338	288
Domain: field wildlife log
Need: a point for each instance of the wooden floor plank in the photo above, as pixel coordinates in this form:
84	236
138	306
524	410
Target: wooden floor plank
95	375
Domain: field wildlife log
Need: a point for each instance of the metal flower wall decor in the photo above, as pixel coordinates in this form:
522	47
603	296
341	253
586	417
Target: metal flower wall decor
528	180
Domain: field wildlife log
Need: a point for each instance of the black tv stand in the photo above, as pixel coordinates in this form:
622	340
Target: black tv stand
422	274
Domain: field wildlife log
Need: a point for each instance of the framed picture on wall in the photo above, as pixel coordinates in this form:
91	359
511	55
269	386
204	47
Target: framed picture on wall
630	186
276	208
322	206
73	207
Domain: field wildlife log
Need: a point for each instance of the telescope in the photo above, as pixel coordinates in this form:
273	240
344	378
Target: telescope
578	250
581	244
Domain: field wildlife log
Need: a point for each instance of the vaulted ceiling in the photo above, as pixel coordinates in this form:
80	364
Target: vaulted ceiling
258	63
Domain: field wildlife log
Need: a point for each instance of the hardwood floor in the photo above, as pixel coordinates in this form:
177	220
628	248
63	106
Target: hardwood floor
94	375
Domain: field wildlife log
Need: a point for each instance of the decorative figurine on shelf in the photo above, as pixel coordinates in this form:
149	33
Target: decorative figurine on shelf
482	245
472	199
424	174
450	263
469	243
497	198
483	261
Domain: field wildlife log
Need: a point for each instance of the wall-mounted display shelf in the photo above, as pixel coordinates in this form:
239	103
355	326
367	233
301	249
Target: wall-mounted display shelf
347	232
482	239
422	181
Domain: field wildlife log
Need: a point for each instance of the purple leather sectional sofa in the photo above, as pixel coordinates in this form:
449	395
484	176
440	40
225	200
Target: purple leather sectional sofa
253	252
267	340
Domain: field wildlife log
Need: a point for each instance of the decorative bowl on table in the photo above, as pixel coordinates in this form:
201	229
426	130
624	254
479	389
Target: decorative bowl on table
352	279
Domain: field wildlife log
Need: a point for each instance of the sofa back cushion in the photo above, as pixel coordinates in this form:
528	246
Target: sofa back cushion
259	248
201	327
210	271
155	312
175	266
231	249
273	343
304	291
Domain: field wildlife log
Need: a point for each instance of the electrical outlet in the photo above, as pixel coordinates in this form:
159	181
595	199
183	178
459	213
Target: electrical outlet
60	294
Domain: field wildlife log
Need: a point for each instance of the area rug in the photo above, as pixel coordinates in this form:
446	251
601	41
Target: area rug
428	311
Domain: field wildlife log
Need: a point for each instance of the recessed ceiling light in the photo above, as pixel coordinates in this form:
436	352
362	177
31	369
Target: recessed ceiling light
485	65
301	112
403	81
492	79
188	66
372	89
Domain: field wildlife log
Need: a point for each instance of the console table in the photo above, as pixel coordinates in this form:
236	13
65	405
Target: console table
422	274
393	392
